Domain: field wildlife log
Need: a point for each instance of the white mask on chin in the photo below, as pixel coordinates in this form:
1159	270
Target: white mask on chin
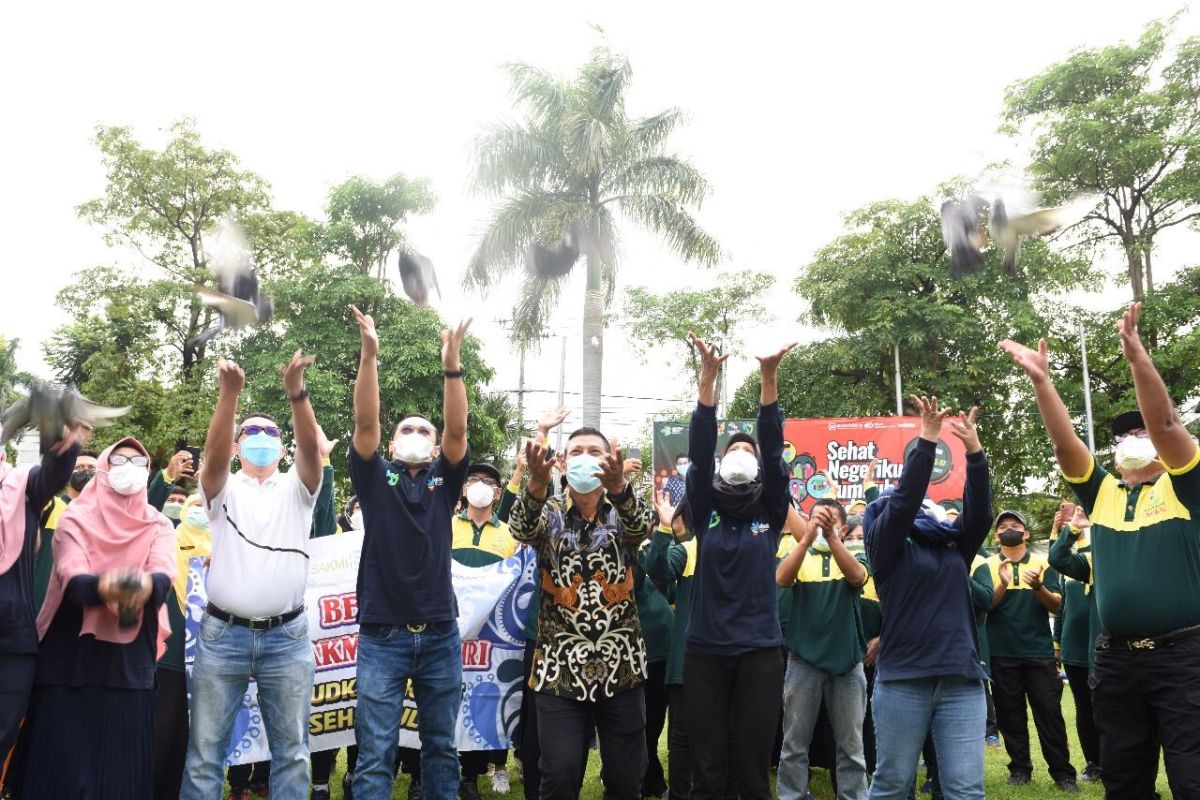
1135	452
413	448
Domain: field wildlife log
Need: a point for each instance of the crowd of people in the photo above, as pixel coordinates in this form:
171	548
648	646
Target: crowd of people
862	639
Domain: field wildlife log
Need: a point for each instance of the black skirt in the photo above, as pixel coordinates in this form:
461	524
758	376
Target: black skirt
87	743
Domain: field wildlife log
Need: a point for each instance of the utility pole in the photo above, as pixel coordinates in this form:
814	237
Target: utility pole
1087	391
562	389
899	389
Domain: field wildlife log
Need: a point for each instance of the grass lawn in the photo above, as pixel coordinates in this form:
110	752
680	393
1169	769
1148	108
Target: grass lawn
996	774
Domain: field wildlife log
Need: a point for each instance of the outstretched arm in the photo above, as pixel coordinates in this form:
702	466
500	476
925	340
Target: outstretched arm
702	435
454	396
304	422
1174	443
218	445
1073	456
366	389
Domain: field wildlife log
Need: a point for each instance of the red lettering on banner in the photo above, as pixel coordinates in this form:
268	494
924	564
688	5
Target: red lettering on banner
476	654
338	609
336	651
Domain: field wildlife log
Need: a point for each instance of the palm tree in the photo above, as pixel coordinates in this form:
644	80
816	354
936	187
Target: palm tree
577	159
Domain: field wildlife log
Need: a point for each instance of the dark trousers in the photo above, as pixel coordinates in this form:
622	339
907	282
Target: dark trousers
868	723
679	749
529	751
1139	695
563	729
474	763
323	762
993	727
170	732
750	688
1085	720
654	784
16	683
243	776
1015	681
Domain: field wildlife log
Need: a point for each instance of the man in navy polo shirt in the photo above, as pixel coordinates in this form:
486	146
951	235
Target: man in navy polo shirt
406	609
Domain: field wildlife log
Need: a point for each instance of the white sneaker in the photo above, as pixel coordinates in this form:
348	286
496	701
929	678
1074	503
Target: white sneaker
500	781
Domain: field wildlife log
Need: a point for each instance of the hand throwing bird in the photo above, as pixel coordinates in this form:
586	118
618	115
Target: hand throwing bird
51	410
236	300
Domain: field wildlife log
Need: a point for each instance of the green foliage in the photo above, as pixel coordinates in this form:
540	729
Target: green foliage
365	218
664	320
1121	121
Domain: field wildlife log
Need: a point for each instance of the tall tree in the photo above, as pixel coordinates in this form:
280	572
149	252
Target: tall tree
885	282
663	321
1121	121
365	218
579	159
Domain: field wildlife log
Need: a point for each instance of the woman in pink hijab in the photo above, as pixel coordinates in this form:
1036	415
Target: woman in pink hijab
89	733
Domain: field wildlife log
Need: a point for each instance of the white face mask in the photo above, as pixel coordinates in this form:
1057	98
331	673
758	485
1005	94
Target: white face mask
1135	452
738	467
128	479
480	495
356	521
413	448
935	510
821	544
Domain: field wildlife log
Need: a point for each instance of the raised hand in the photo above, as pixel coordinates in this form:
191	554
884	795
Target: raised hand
769	364
824	518
293	372
230	378
931	416
324	445
612	471
1036	363
180	466
366	330
1079	519
632	466
540	463
664	507
964	428
1032	578
872	468
710	358
452	346
1005	573
1127	327
552	419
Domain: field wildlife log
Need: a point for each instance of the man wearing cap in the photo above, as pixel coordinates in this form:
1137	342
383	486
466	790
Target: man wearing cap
1146	573
1025	594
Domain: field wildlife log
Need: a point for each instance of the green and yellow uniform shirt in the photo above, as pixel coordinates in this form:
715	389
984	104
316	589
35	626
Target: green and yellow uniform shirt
868	609
675	566
981	600
787	543
43	562
474	546
1078	620
1020	626
826	627
654	609
1145	549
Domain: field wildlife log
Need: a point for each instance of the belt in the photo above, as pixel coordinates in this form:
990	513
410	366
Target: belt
1151	642
257	624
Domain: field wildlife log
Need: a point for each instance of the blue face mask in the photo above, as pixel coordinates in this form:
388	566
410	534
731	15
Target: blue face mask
197	518
581	473
261	449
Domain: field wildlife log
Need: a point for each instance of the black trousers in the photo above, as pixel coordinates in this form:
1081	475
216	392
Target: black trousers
868	724
16	683
323	762
1015	681
563	729
243	776
750	688
993	727
170	732
474	763
1143	698
1085	719
679	749
654	784
529	751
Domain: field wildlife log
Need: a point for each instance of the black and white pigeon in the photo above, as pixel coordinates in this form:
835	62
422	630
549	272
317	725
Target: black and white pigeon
1009	229
417	277
236	299
962	235
558	260
51	410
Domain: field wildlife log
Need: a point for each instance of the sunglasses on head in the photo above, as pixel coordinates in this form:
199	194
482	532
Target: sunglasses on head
120	460
254	430
405	430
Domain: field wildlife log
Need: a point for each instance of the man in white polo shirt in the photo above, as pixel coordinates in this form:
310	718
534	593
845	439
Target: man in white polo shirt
255	625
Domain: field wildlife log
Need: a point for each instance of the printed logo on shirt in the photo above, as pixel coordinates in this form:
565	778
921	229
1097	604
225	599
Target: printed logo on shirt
757	528
393	477
434	483
715	520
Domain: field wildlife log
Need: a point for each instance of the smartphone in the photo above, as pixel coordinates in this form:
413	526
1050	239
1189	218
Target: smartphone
634	452
195	451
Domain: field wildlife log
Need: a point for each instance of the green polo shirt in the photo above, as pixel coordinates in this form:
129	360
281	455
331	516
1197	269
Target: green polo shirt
675	565
826	627
654	611
868	609
480	545
1020	626
981	603
1145	549
1078	621
783	596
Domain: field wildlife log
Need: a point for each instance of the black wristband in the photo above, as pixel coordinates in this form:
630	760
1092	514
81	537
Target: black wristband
458	373
301	395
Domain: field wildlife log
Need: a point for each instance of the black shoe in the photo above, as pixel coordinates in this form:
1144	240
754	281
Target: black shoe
468	789
414	788
1067	785
1090	774
348	786
319	793
1019	778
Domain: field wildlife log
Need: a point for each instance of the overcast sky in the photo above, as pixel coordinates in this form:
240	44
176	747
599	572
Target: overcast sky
797	113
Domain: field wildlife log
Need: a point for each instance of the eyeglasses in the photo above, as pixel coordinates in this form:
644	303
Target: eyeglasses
119	460
405	430
254	430
482	479
1122	437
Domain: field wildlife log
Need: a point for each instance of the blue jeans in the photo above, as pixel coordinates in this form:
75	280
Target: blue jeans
804	686
227	657
388	657
954	709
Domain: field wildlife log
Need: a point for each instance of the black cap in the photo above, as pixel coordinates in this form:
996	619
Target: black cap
486	469
1129	421
741	437
1011	514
